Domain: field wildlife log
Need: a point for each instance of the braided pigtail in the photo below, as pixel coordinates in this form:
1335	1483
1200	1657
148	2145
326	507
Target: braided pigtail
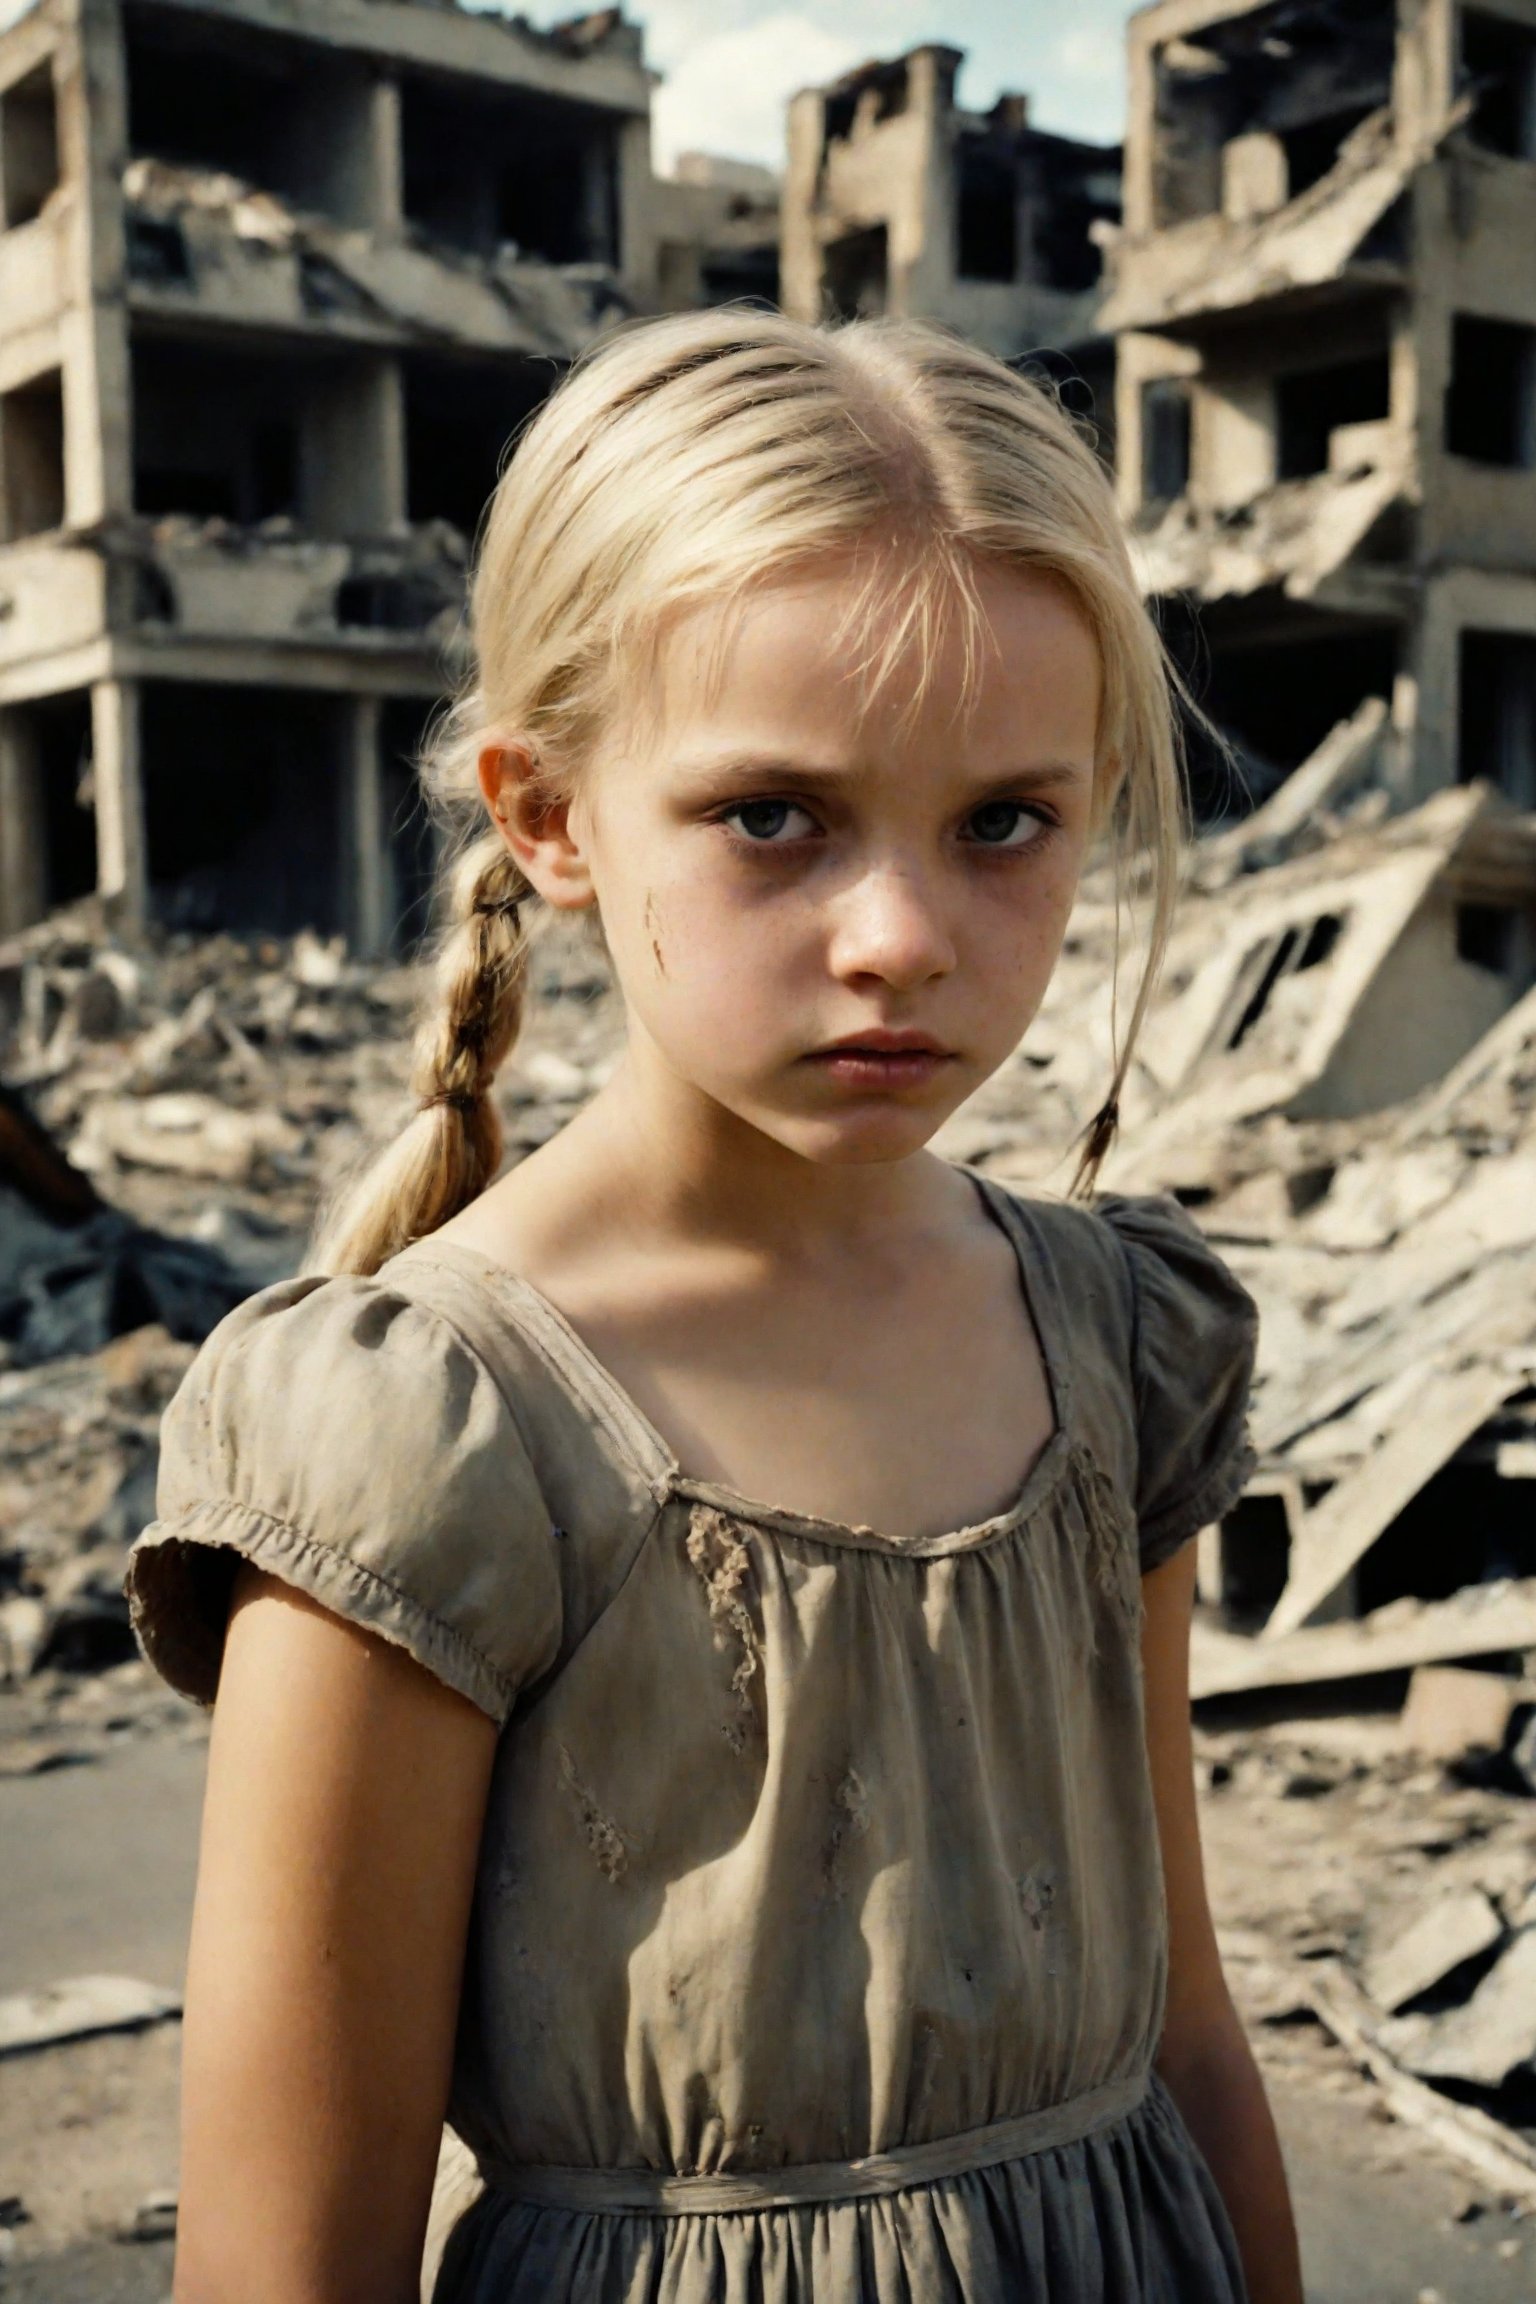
452	1149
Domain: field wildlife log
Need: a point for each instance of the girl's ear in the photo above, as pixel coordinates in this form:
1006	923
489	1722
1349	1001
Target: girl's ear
535	825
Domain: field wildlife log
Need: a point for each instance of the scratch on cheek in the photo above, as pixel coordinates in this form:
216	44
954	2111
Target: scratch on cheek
651	931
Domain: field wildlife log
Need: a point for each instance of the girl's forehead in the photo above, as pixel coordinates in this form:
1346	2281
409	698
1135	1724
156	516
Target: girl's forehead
838	645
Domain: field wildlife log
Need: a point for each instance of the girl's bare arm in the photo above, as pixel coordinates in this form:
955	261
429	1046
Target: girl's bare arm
1204	2057
346	1790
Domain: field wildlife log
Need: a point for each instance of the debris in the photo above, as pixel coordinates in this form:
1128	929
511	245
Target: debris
1452	1931
1494	2033
153	2219
1452	1714
78	2007
1490	1620
1492	2151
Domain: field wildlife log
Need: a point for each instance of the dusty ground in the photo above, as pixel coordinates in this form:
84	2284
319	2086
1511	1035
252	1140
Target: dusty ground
1318	1834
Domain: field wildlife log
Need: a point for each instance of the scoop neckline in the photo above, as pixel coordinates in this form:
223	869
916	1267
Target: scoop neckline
563	1345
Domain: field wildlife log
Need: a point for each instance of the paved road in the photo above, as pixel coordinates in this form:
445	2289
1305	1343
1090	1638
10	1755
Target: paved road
99	1865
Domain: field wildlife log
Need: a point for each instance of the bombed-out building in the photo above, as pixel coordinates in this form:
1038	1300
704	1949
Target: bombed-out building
1325	294
898	200
278	280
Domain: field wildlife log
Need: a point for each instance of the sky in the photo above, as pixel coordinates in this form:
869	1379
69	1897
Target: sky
731	65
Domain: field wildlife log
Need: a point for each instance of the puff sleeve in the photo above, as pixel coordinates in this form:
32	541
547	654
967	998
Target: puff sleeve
1194	1333
345	1440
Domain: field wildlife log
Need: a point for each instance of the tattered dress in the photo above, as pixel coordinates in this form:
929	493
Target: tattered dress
818	1942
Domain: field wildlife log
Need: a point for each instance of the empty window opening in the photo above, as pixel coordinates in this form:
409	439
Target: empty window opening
47	810
243	803
742	276
988	211
218	436
460	419
1066	255
276	113
1305	944
1275	701
157	251
1490	406
1165	436
1312	149
1485	936
246	437
32	458
486	169
1495	1537
1498	66
1307	71
1254	1549
1311	406
857	275
1498	713
29	147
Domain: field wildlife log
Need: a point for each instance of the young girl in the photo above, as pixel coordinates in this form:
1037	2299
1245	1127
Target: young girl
700	1624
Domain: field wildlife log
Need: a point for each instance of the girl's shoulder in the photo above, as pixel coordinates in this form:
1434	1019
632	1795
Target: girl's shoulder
1158	1340
401	1449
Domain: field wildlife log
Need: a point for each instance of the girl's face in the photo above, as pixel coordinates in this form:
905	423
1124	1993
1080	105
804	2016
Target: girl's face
834	905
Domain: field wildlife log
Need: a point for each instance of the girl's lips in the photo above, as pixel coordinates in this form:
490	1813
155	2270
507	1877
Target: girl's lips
881	1067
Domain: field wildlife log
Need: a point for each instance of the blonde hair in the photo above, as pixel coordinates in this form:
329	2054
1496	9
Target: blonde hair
682	463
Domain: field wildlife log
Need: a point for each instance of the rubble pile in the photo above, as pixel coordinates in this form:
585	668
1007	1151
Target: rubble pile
169	1121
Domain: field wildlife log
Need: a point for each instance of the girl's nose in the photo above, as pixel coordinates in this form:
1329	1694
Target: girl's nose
890	926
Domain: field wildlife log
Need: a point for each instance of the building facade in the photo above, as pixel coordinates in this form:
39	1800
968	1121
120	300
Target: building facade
1324	293
278	280
898	200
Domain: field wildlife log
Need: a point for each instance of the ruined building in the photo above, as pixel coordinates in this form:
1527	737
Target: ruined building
897	200
1325	293
278	279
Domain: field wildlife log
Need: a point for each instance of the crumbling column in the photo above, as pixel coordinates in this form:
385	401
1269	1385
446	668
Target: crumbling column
93	147
23	842
387	166
369	905
117	779
637	249
356	478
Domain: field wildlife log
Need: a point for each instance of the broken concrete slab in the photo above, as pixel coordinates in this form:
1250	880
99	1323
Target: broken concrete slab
1448	1405
1493	1620
1494	2034
1452	1714
80	2006
1454	1930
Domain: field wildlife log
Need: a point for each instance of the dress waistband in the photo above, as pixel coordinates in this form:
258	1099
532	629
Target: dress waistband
649	2192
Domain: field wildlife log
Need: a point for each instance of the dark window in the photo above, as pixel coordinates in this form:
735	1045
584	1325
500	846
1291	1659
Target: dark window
1488	407
1165	430
32	458
1485	935
259	844
1311	150
29	147
460	419
988	215
1312	405
486	169
1498	64
1498	712
157	251
858	275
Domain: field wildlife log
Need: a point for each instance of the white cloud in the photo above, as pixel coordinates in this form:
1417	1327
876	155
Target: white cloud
727	91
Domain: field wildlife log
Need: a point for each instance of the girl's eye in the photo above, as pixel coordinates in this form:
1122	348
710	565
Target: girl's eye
1005	824
769	822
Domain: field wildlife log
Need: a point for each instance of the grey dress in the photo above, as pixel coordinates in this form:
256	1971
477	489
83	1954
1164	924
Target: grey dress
818	1945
